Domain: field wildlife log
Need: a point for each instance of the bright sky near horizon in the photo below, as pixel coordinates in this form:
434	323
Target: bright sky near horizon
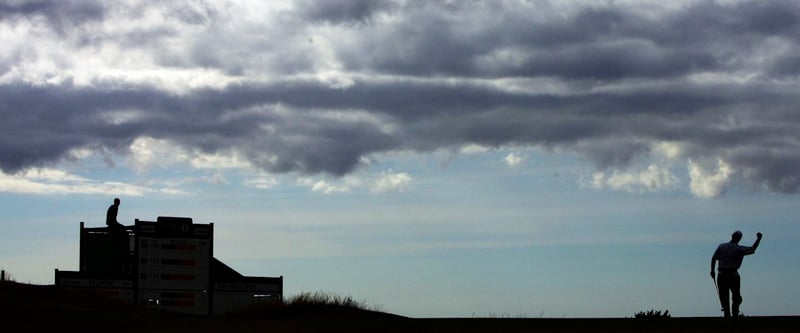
435	158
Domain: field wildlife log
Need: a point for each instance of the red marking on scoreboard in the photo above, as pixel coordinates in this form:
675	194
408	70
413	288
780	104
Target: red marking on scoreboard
177	277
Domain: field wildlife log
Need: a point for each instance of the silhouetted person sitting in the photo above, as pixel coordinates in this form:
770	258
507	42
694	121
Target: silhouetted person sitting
111	215
119	238
730	256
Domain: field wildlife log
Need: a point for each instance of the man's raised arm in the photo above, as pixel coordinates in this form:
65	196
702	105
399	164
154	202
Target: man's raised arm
758	241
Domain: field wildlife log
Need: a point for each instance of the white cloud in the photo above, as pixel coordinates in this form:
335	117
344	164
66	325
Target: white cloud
474	149
50	181
174	191
513	159
262	182
121	117
216	178
351	181
80	153
669	150
147	152
343	185
653	178
390	181
322	186
230	160
52	175
709	183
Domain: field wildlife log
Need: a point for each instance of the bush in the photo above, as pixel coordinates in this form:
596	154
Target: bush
323	299
313	304
650	314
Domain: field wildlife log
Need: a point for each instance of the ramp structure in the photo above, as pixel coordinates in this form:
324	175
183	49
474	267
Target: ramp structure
167	264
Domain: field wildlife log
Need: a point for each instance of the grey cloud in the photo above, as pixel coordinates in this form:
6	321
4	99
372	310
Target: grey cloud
343	11
321	145
59	14
613	153
427	117
43	124
616	61
787	66
194	13
749	18
626	81
595	43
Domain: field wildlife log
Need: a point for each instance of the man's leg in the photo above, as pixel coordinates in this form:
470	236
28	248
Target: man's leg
723	281
737	295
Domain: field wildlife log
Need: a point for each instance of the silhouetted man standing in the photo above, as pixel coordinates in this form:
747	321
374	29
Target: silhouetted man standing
730	256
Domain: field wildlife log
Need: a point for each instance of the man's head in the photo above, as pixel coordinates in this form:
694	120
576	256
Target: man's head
116	201
736	236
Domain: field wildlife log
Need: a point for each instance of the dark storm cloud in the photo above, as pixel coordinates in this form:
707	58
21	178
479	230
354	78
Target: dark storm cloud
595	43
719	80
43	124
57	119
59	14
343	11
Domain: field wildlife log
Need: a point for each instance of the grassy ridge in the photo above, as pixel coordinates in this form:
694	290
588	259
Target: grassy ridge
37	308
312	304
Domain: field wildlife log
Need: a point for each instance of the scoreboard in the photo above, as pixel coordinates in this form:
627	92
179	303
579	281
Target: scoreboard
174	260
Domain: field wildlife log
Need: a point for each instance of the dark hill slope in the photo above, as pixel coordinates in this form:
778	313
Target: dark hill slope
34	308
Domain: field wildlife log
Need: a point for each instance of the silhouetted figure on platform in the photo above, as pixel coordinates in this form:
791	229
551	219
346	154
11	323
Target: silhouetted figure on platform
111	215
119	239
730	256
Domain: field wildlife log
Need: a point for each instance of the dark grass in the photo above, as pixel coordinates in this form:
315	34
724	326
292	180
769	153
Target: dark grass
312	305
25	307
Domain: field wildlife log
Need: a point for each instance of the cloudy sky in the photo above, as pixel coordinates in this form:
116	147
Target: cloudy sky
438	158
